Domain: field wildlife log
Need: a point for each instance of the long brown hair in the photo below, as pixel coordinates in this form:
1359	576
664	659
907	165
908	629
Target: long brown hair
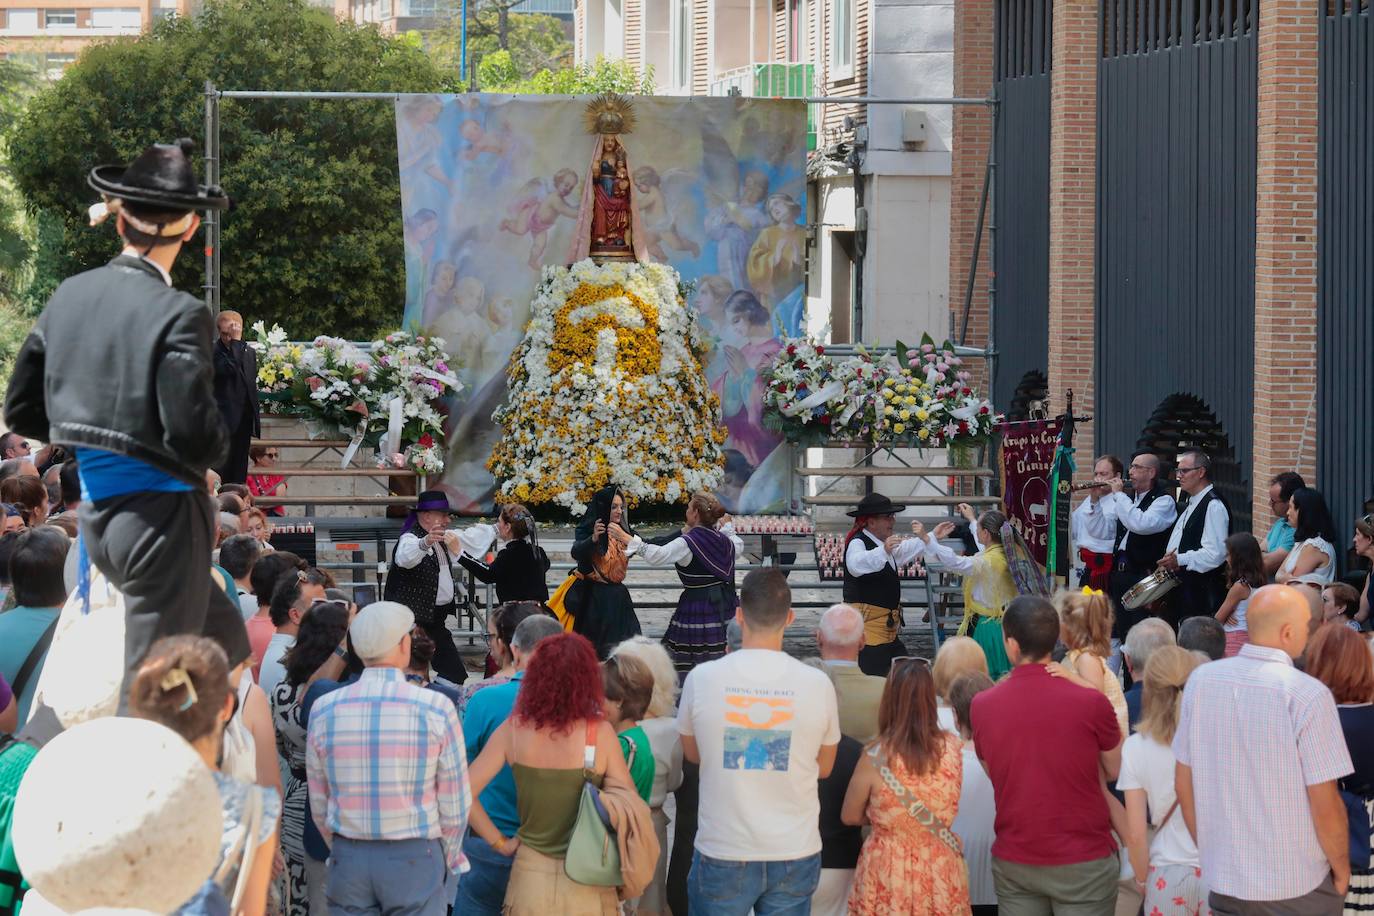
27	493
908	727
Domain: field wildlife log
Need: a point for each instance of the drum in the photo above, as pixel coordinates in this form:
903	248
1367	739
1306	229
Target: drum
1149	589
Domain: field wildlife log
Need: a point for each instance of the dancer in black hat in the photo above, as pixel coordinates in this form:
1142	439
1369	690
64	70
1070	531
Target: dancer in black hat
872	555
422	577
118	369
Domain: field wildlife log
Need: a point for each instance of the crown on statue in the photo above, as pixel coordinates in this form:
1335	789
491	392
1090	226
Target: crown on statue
610	113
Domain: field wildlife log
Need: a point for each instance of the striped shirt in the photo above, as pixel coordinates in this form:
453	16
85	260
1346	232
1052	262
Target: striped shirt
1256	733
385	761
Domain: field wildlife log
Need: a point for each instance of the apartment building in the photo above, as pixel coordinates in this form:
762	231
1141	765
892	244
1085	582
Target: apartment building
395	17
879	188
48	34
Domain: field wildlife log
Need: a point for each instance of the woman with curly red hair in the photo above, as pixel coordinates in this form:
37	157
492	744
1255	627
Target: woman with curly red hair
556	722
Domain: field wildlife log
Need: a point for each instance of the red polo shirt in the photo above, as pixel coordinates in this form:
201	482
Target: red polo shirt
1040	737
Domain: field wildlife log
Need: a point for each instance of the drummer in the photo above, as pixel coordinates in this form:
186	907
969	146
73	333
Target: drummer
1143	523
872	556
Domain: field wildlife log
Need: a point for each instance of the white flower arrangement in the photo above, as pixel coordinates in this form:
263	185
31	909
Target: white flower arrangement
336	383
607	387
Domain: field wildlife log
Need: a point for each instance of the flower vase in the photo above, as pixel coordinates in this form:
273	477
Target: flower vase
962	455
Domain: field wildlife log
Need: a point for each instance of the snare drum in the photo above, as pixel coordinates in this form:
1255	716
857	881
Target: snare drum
1149	589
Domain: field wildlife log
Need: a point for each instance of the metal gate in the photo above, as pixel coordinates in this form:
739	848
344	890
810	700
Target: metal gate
1021	204
1176	215
1345	259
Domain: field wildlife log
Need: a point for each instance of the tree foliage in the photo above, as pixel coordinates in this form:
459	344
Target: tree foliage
534	41
498	74
314	241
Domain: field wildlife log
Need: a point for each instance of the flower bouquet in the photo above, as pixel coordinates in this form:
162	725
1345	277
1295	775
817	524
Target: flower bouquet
956	416
800	385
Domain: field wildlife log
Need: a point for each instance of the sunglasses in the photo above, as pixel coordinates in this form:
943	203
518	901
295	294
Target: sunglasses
907	659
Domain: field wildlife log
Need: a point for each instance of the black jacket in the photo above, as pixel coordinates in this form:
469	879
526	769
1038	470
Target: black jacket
236	384
517	572
120	361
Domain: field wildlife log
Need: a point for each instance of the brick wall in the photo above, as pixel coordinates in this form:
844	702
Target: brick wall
1285	248
1073	204
972	133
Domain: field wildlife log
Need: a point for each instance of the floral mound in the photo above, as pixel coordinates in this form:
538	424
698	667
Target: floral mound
607	387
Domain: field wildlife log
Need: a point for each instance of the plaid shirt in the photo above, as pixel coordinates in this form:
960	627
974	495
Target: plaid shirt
385	761
1256	733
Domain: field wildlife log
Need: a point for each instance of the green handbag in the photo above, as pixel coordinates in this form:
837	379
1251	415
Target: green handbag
593	856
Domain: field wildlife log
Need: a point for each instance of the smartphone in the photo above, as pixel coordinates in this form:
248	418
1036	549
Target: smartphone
363	595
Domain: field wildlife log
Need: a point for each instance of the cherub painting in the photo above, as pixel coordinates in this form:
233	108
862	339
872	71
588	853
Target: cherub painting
480	140
537	207
665	204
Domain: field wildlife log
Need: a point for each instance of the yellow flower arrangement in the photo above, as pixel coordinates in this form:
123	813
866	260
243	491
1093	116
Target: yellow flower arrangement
608	387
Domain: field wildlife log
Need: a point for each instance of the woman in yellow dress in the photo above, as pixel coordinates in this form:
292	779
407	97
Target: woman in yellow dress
988	585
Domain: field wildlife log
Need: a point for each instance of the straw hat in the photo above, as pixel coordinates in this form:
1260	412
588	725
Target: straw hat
117	813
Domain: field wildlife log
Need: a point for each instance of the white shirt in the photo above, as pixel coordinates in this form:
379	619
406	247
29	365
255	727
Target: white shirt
411	550
1156	517
1212	553
248	603
974	827
667	747
1093	525
272	673
1326	572
676	551
1146	764
861	561
760	718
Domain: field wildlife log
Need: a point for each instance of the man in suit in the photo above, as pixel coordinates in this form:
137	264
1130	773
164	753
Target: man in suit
840	637
236	393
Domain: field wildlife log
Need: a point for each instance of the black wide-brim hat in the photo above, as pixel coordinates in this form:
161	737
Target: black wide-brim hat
433	501
876	504
160	177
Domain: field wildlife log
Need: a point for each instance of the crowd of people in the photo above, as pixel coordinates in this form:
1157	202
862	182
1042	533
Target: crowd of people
264	745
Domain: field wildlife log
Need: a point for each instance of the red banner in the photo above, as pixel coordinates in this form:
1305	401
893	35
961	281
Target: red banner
1027	461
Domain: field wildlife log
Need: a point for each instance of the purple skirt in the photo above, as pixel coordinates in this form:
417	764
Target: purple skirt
696	632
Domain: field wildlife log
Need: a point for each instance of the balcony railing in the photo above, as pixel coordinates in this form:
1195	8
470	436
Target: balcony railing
772	81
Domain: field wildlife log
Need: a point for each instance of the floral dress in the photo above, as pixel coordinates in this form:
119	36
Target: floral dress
286	717
904	868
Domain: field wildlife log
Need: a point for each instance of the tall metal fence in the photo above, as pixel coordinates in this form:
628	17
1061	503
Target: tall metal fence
1345	259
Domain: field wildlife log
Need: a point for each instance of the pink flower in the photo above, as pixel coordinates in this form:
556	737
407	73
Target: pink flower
927	348
930	357
315	382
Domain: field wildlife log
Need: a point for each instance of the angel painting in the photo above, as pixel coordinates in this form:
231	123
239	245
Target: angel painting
779	254
420	142
480	140
665	205
537	208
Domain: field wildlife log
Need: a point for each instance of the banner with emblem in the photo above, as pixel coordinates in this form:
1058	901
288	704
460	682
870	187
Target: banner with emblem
1027	465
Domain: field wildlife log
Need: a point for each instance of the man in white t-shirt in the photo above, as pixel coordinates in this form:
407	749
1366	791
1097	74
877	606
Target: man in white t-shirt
764	727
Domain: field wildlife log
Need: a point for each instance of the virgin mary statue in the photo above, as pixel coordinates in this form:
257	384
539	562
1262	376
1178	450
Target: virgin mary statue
608	222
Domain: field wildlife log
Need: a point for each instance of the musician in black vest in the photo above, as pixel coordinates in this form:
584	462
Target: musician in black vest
872	554
1197	545
422	577
1143	523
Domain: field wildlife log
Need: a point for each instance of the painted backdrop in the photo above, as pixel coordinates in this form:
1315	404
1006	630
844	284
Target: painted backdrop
490	186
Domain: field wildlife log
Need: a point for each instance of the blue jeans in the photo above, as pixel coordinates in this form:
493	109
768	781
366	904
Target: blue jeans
718	887
482	889
396	877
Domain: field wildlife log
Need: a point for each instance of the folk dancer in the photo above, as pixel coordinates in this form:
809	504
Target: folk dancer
1143	522
1093	528
988	583
1196	552
872	556
422	574
704	556
119	370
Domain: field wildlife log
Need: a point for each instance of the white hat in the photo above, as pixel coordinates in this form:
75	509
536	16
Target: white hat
379	628
117	813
